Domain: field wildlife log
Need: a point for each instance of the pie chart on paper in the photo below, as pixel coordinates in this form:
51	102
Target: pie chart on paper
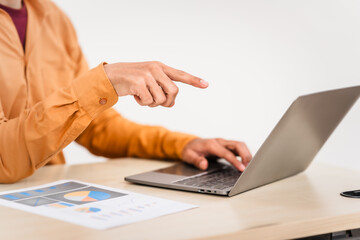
86	196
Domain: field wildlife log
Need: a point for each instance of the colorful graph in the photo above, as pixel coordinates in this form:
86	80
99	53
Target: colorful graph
87	196
88	210
60	205
11	197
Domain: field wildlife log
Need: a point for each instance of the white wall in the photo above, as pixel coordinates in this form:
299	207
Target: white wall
258	56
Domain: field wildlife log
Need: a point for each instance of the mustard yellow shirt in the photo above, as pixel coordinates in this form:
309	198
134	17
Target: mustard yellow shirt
49	98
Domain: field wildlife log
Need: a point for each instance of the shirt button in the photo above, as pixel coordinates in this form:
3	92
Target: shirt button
103	101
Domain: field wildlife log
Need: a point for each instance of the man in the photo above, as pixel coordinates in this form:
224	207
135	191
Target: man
49	98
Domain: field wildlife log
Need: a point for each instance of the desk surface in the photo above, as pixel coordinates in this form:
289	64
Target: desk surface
303	205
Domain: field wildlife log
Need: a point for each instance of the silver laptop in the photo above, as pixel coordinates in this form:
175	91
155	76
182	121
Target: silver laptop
288	150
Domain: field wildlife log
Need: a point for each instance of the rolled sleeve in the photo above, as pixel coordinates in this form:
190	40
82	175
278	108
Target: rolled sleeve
94	91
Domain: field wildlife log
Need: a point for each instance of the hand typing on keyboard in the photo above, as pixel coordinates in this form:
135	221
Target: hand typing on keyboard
196	151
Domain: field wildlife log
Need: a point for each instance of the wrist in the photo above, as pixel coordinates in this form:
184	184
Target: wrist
187	144
109	71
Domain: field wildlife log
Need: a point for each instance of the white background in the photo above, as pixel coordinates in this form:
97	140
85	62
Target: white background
258	56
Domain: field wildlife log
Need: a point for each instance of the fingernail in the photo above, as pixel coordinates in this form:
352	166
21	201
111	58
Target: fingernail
203	165
204	83
242	167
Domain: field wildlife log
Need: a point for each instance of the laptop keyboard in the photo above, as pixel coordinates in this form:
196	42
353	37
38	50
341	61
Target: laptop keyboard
220	179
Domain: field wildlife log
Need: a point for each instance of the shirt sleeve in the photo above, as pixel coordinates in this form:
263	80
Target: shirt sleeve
113	136
29	141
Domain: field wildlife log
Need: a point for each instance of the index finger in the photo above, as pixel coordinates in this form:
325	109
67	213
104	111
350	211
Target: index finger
181	76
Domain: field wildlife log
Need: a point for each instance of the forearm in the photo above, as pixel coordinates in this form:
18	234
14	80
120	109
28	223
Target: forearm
30	140
113	136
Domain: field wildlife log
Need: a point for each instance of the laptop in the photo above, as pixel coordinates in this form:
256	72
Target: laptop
288	150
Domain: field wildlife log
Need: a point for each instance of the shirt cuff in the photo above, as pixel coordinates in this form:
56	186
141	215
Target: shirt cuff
94	91
179	141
